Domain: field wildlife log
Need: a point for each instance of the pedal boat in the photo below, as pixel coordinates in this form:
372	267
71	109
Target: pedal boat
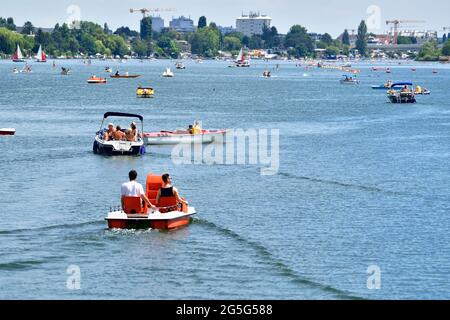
147	92
116	147
168	216
7	131
96	80
396	96
184	136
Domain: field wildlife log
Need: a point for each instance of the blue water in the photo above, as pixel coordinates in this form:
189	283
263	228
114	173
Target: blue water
361	182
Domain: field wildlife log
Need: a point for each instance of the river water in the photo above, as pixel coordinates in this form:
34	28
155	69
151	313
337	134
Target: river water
362	185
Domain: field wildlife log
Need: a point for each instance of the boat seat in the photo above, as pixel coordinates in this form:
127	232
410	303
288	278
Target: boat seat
167	204
152	186
133	205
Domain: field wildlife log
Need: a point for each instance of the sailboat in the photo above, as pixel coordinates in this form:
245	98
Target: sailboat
18	56
241	60
41	55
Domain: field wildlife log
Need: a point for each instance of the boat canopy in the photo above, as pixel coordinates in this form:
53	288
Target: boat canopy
125	115
398	84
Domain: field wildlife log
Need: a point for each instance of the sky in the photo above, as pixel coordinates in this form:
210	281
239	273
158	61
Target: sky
332	16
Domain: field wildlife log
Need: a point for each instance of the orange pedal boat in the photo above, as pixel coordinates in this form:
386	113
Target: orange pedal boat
95	80
169	214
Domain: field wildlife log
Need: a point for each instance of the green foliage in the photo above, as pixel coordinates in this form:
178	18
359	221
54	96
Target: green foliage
168	47
327	39
299	40
202	22
446	49
146	28
270	37
361	42
231	43
429	52
7	23
28	28
206	41
332	51
346	38
406	40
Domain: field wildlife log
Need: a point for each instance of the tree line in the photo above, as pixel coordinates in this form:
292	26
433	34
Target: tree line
207	40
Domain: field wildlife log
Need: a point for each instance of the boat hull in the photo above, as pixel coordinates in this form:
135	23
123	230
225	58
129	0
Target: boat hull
7	132
125	77
402	99
174	138
118	148
158	221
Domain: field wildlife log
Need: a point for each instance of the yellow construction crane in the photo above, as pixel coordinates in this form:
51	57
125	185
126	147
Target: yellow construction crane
397	23
146	11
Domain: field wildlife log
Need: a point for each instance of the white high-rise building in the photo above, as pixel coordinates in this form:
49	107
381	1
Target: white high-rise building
157	24
182	24
252	23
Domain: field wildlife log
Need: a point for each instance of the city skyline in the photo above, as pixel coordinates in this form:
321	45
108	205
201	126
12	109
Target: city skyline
319	16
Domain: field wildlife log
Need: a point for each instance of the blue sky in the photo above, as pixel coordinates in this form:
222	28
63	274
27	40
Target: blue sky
316	15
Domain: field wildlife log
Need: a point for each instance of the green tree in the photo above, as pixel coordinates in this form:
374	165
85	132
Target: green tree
446	49
332	51
327	39
361	42
206	41
231	43
429	52
28	28
202	22
346	38
299	39
444	38
146	29
140	47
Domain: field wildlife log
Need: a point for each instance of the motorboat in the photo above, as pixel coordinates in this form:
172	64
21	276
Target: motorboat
349	80
180	66
169	215
168	73
7	131
18	56
145	92
65	71
125	76
108	70
41	57
404	95
421	91
118	147
184	136
96	80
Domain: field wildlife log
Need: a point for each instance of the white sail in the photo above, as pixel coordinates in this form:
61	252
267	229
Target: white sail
19	55
240	57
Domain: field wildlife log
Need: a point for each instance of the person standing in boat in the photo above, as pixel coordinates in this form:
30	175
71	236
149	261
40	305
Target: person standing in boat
134	131
167	190
134	189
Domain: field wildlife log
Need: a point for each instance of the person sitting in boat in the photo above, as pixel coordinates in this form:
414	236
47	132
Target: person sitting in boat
196	128
109	135
405	89
117	73
119	134
134	189
167	190
190	129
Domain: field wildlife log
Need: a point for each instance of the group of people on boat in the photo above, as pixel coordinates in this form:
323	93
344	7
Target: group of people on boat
266	74
117	133
132	188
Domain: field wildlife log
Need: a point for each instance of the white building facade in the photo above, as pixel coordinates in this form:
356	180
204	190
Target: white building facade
252	24
157	24
182	24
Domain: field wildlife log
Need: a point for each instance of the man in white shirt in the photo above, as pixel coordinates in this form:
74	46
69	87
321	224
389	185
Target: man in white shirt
134	189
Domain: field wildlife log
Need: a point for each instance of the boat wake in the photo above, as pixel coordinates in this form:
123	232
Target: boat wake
53	227
275	263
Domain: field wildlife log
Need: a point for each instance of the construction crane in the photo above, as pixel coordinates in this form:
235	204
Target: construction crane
396	24
146	11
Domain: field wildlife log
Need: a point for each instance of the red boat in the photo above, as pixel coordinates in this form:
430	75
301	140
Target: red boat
169	215
7	131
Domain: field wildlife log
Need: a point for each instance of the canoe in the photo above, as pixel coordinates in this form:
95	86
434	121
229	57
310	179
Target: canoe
183	136
133	76
7	131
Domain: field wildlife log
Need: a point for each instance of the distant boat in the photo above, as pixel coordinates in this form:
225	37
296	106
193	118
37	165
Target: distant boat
7	131
242	61
168	73
18	56
180	66
41	55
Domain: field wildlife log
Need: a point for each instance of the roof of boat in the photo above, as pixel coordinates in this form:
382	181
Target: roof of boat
402	84
121	114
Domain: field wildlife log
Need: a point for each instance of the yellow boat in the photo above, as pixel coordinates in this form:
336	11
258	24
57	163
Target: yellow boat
142	92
